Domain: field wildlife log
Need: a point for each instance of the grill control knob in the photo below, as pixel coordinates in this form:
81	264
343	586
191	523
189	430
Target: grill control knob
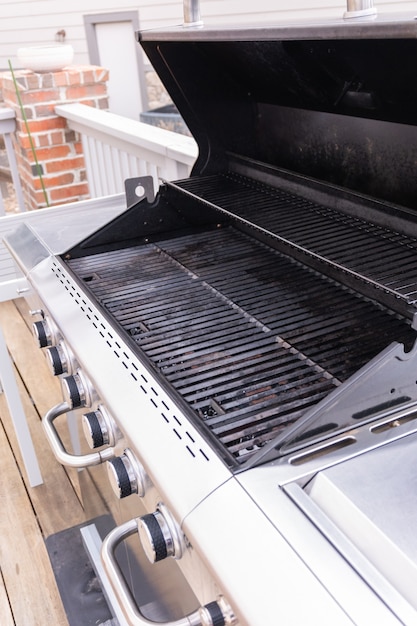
43	333
98	427
127	475
217	613
57	359
75	391
160	535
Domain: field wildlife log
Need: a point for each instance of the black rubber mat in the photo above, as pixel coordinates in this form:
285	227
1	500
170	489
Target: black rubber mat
81	593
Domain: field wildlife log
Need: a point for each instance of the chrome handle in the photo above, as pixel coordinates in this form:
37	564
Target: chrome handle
191	10
121	589
57	447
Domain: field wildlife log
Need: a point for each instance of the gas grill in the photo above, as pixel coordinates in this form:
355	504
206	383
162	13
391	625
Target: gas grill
240	346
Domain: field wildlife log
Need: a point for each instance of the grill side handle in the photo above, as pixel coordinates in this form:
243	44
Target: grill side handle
212	614
58	449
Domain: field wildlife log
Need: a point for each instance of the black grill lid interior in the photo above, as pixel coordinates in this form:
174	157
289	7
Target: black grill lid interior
335	102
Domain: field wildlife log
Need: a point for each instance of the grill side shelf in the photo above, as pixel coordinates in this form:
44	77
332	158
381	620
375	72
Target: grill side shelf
368	258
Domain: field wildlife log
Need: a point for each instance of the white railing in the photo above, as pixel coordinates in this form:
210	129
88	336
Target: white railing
116	148
7	128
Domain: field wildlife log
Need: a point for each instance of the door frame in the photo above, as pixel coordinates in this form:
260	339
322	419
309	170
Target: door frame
90	22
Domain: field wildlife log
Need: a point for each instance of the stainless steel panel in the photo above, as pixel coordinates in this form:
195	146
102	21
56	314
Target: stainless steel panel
259	572
370	499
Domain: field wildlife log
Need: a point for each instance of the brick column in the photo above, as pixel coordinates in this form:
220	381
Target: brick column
58	149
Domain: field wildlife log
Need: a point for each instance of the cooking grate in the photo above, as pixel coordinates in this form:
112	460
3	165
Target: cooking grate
249	338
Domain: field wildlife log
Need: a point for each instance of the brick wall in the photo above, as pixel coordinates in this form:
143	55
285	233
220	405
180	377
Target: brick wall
58	149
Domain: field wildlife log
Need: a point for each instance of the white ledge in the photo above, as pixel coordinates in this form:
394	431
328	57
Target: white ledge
135	134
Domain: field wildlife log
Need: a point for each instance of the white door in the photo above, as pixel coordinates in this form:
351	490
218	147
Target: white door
112	45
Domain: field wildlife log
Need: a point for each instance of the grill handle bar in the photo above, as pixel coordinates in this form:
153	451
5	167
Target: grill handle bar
58	449
192	13
122	591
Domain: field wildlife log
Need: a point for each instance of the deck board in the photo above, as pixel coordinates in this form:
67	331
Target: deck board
43	390
28	592
26	570
6	617
56	501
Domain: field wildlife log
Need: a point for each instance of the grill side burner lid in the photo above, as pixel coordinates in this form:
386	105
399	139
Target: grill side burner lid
335	101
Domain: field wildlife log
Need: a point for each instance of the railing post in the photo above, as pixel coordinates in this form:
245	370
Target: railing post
7	127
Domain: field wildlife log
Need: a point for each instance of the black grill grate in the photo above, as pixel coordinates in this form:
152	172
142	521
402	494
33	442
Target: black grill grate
249	338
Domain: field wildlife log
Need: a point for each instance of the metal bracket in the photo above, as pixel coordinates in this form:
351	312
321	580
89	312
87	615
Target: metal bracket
137	189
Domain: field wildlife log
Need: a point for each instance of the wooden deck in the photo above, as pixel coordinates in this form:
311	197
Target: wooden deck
28	592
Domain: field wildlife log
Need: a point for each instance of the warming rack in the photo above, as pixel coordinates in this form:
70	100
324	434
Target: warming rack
374	260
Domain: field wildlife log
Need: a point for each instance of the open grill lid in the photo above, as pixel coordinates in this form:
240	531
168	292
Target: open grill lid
334	101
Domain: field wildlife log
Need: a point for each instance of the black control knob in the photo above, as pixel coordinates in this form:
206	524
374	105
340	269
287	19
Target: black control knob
126	475
160	535
217	613
98	428
57	359
211	615
75	391
43	333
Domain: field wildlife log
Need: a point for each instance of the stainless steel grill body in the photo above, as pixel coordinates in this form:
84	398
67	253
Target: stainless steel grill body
146	413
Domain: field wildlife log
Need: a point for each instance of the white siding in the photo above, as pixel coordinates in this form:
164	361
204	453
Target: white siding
35	22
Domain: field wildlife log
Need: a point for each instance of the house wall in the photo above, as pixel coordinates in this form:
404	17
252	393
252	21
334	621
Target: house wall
36	22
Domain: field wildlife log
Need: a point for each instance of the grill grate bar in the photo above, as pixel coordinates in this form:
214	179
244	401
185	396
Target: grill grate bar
196	316
231	425
231	402
203	346
235	330
247	383
219	363
280	362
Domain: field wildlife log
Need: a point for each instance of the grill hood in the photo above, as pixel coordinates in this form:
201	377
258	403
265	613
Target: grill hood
336	101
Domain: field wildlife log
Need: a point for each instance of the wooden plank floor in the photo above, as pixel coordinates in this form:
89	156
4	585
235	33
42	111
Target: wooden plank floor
28	592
